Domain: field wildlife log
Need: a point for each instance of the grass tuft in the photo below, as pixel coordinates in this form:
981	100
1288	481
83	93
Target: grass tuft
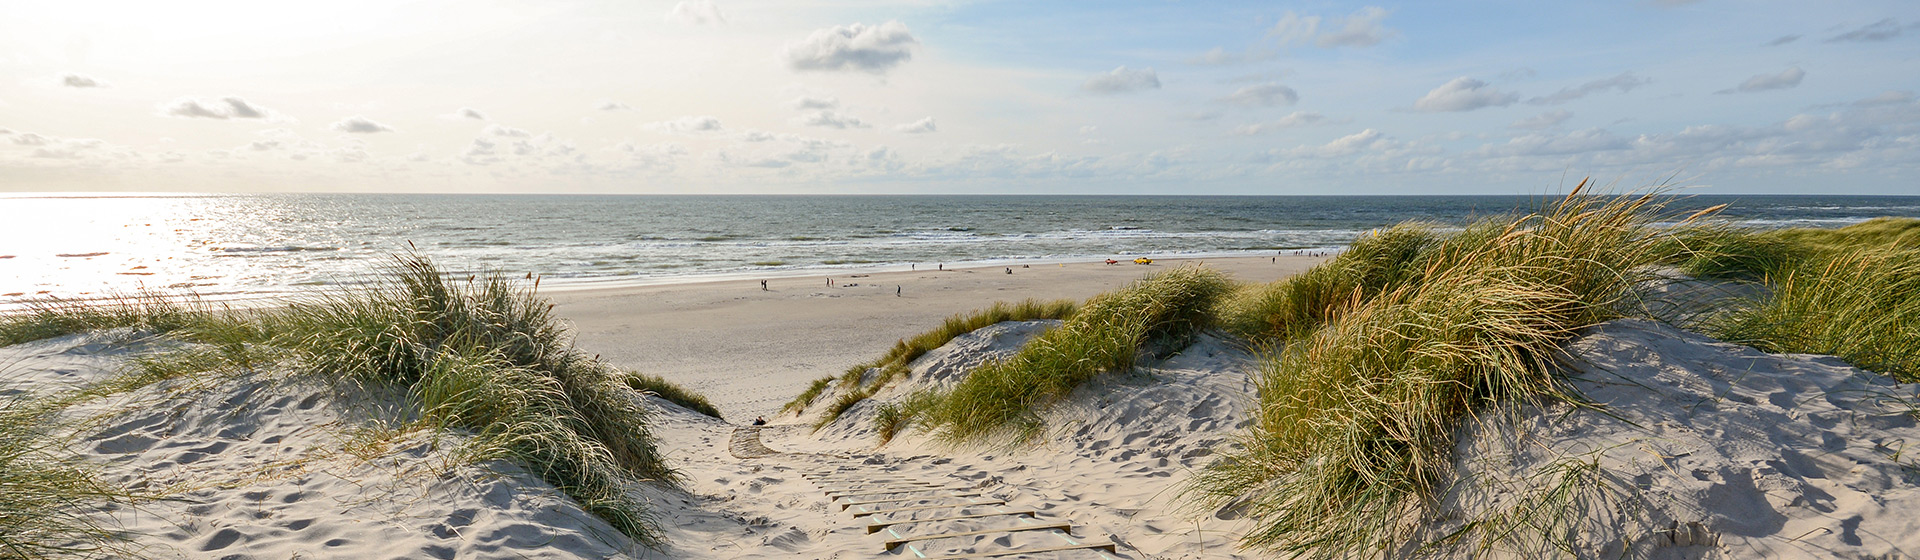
1861	305
1165	310
47	495
894	364
673	393
1357	417
486	355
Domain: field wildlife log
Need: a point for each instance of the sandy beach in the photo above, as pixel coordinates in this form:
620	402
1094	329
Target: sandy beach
751	351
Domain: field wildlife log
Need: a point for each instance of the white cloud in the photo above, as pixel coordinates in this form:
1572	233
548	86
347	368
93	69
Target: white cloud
1263	95
1576	142
829	119
1362	29
698	12
805	102
30	139
224	108
1340	147
506	131
1296	120
1463	94
1221	57
360	125
1624	82
80	81
873	49
611	105
690	124
1765	82
1122	80
465	113
1875	32
1548	119
921	126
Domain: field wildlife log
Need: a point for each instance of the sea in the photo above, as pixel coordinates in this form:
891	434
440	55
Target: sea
222	246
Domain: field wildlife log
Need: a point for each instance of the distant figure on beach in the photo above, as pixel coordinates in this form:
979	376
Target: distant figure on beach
829	282
943	266
760	421
911	266
896	291
763	285
1009	270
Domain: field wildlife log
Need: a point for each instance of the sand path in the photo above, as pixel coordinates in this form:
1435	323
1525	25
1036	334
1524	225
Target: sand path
750	351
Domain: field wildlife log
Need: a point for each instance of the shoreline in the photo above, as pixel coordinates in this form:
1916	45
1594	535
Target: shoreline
239	298
750	350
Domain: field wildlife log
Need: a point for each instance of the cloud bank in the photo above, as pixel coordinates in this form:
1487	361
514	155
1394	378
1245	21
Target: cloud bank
1122	80
872	49
1463	94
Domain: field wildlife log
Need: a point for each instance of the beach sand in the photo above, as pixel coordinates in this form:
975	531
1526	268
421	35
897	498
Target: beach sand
750	351
1719	451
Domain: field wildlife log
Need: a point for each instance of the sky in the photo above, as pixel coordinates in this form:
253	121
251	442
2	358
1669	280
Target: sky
987	97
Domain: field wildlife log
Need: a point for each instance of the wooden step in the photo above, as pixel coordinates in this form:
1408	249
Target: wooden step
1110	546
902	490
876	527
845	505
1037	527
937	506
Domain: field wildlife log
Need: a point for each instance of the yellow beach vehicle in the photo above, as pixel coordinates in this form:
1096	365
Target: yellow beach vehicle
1142	260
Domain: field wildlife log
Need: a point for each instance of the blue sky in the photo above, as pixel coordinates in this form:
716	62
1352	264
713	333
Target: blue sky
736	96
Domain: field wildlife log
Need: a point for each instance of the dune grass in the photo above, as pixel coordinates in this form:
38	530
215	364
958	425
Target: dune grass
673	393
484	356
1376	262
46	495
49	317
1357	418
1006	397
1862	305
1725	251
859	385
1888	232
487	356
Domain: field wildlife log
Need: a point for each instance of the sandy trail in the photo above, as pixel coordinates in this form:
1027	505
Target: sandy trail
750	351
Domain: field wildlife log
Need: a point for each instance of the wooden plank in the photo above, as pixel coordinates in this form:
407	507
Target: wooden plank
876	527
1106	545
901	490
845	505
938	506
863	480
1039	527
902	484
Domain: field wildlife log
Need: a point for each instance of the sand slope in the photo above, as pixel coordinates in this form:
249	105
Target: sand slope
1714	450
254	465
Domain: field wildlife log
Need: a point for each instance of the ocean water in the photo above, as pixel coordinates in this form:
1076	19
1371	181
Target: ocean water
243	245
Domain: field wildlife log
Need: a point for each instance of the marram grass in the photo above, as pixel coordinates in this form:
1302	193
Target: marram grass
1357	417
47	495
1861	305
487	356
1006	397
859	385
484	356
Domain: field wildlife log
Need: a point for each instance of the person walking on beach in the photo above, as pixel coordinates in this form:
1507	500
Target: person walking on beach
763	285
896	291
